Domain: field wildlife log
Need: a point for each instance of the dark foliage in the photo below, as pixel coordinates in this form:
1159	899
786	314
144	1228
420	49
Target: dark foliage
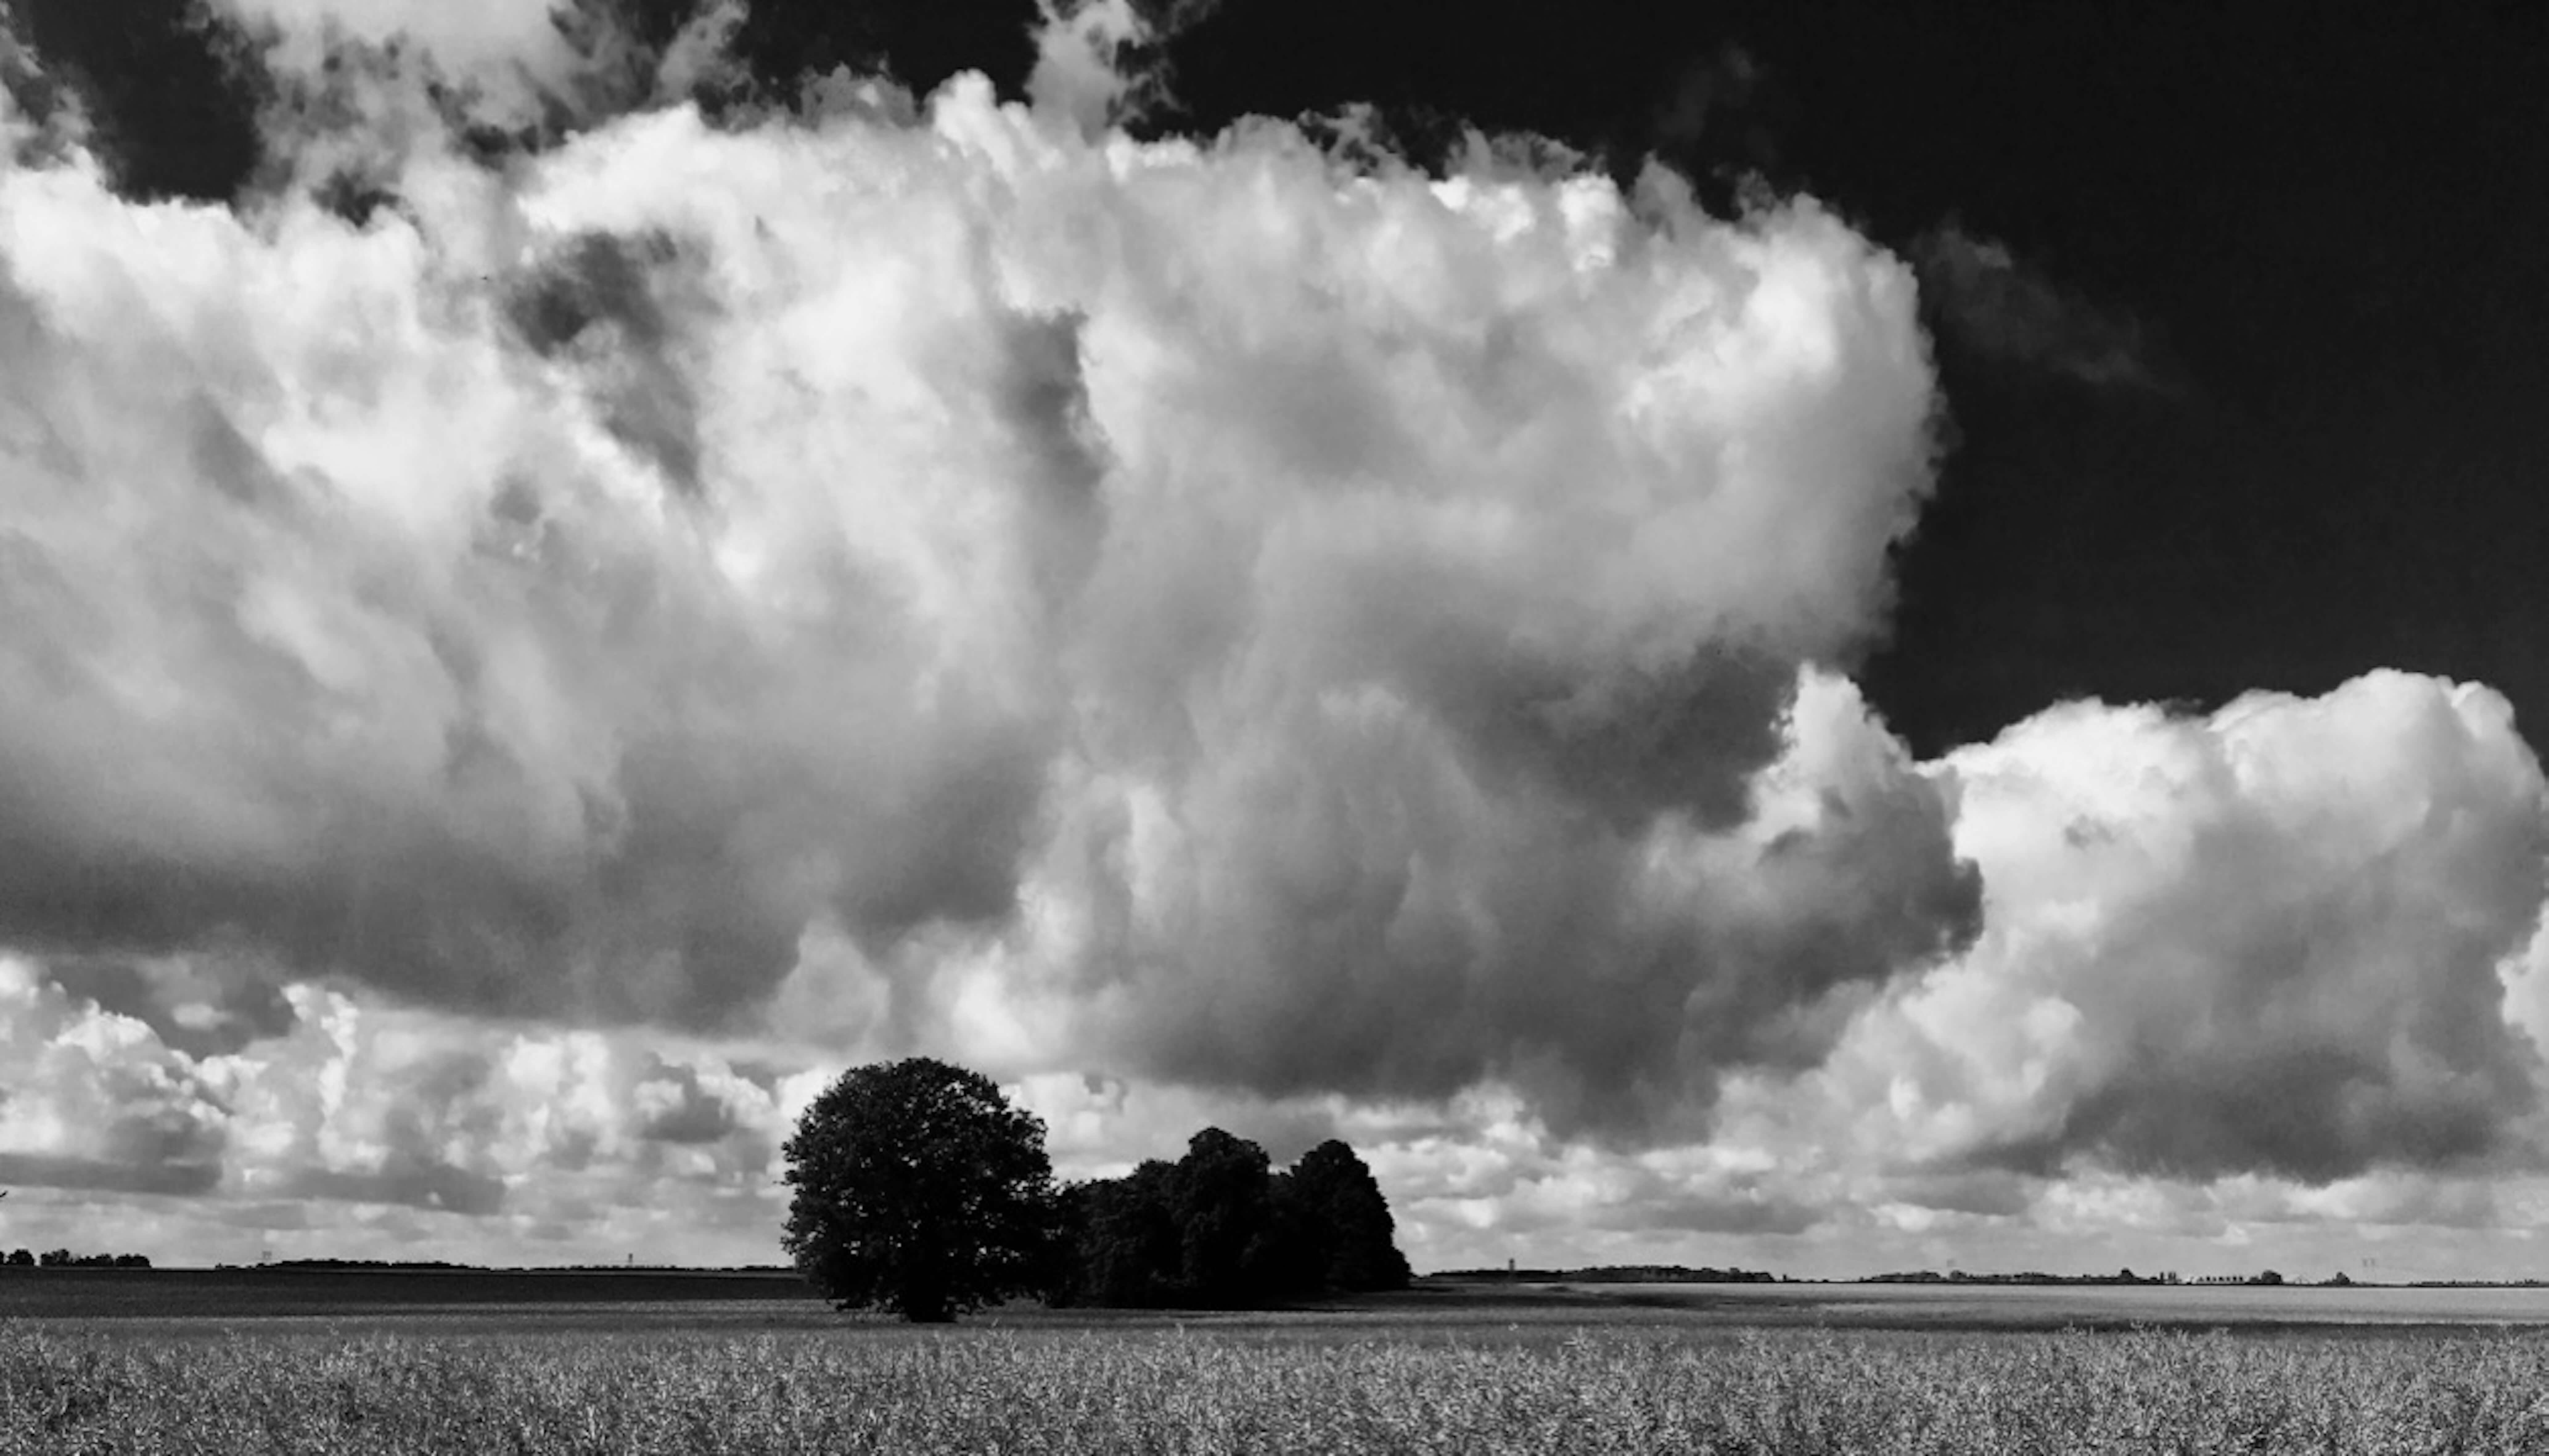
1354	1239
62	1258
1220	1228
920	1190
19	1259
1123	1240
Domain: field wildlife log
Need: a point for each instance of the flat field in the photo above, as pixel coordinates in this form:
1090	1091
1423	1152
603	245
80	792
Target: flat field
678	1363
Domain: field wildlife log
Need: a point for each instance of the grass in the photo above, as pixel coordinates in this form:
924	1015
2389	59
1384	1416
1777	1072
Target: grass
1265	1387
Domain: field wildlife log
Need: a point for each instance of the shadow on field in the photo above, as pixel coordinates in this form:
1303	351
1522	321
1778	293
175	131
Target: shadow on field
469	1303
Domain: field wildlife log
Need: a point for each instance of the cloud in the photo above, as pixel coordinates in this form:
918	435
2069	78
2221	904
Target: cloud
201	1005
1385	928
1992	301
512	49
1312	624
466	34
506	695
2271	941
425	1128
90	1100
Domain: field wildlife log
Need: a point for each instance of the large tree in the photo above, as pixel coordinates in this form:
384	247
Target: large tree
1224	1191
1355	1240
920	1190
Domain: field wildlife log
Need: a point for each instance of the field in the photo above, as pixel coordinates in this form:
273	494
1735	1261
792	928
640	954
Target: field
252	1362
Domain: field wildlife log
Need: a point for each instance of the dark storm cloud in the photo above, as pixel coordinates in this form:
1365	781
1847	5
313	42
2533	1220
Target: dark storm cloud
199	1005
416	1183
109	1174
1989	1192
1611	972
674	1108
1745	1211
2290	1103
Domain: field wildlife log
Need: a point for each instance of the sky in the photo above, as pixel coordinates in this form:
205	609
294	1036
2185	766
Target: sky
1825	638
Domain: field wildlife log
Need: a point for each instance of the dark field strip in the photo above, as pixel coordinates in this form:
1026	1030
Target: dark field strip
490	1302
222	1294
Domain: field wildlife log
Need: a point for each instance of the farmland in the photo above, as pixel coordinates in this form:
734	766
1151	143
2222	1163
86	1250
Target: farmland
745	1363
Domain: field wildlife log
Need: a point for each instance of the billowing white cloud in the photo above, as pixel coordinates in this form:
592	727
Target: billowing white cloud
466	34
1310	623
503	698
2270	941
509	50
426	1128
92	1101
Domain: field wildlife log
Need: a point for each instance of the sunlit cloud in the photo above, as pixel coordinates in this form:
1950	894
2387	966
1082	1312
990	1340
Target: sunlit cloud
512	686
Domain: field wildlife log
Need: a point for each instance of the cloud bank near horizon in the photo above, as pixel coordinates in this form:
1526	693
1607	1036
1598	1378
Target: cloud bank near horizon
1300	641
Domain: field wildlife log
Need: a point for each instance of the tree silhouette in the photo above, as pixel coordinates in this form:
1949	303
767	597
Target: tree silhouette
1219	1228
1224	1188
919	1190
1125	1247
1355	1240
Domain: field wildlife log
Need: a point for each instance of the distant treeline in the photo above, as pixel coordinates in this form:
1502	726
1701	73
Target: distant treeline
1619	1274
422	1266
1222	1229
2121	1277
439	1266
62	1258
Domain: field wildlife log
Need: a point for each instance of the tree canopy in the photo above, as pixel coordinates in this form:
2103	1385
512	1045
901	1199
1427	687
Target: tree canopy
1220	1228
920	1190
1353	1242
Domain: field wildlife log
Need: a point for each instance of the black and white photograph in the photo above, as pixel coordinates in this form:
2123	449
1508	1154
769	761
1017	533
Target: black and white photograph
1212	726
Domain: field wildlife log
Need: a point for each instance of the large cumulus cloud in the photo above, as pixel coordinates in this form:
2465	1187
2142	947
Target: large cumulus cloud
1328	628
501	696
2274	940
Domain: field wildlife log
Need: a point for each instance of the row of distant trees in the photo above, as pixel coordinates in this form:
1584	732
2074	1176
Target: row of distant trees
922	1191
62	1258
2126	1276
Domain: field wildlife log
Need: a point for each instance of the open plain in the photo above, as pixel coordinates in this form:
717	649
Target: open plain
253	1361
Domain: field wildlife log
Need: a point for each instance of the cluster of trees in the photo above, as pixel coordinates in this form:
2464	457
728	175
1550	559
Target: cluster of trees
2125	1276
922	1191
2029	1276
1222	1229
62	1258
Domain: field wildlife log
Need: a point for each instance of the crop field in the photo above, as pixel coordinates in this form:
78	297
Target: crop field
644	1366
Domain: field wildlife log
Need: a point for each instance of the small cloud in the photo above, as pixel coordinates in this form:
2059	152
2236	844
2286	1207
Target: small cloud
1984	298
